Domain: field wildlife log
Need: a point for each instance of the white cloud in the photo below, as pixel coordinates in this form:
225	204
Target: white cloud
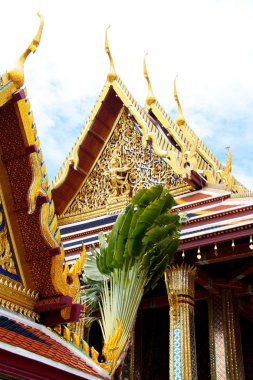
209	44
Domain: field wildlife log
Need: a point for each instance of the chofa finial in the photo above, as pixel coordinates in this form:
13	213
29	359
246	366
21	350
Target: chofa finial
150	99
111	76
180	120
16	75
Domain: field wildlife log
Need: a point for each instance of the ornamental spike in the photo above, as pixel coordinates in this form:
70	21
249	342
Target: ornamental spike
111	76
180	120
150	99
16	75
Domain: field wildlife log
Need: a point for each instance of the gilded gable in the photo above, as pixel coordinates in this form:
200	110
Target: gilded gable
123	167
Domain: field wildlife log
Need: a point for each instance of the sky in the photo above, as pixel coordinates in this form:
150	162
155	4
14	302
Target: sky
208	43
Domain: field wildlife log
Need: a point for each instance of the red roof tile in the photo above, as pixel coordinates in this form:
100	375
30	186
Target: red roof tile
33	340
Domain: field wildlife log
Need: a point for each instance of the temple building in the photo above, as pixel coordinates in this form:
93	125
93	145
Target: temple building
197	323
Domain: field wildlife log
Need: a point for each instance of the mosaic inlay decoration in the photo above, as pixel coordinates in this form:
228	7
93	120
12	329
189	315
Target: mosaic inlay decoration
8	265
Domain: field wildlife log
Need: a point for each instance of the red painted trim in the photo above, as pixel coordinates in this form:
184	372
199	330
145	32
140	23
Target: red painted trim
86	233
26	369
195	205
219	236
18	95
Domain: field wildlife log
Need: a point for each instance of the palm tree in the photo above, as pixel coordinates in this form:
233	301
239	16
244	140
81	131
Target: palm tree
129	262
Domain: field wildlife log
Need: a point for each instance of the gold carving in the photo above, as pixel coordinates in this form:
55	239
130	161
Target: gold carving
111	76
118	175
16	75
225	175
180	283
109	349
173	300
123	167
180	120
19	309
14	296
13	79
66	281
6	256
150	99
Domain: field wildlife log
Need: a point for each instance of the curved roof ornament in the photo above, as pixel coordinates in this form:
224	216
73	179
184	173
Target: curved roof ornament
16	75
150	99
111	76
180	120
226	173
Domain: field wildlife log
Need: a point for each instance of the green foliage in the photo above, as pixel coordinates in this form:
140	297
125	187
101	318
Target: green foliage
133	257
142	233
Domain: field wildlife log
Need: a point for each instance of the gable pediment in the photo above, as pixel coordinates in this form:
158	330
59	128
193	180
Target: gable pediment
123	166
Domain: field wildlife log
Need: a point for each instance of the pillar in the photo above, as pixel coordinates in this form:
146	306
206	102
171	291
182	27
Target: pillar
224	337
180	288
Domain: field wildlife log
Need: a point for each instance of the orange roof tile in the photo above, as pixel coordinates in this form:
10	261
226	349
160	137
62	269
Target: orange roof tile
32	339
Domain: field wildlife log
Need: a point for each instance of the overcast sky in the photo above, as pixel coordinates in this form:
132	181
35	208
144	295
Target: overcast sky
208	43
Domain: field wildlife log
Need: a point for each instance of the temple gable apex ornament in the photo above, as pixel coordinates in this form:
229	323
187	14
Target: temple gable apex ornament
16	75
13	79
111	76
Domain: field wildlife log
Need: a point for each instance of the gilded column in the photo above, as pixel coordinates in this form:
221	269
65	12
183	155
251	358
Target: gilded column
180	288
225	339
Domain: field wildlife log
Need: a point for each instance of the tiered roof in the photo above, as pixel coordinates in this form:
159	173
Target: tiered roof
175	143
35	282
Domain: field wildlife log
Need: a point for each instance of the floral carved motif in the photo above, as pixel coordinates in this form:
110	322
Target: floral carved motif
124	166
6	254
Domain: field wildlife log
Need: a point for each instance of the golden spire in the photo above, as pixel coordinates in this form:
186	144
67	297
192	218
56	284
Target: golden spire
180	120
111	76
150	99
16	75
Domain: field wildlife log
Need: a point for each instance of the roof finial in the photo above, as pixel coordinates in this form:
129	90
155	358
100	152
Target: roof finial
150	99
180	120
111	76
16	75
228	167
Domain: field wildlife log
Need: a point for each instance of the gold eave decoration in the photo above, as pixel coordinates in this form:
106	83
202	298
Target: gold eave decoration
150	99
73	158
111	76
11	81
15	297
67	282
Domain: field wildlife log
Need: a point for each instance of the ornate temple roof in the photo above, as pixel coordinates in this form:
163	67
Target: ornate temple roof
35	282
174	143
52	355
209	213
31	248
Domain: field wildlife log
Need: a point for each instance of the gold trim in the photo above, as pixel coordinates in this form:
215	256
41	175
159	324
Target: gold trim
94	163
67	282
16	240
180	282
180	120
63	220
111	76
150	99
14	296
16	75
72	157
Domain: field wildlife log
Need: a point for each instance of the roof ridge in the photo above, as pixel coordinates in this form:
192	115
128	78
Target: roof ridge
72	157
